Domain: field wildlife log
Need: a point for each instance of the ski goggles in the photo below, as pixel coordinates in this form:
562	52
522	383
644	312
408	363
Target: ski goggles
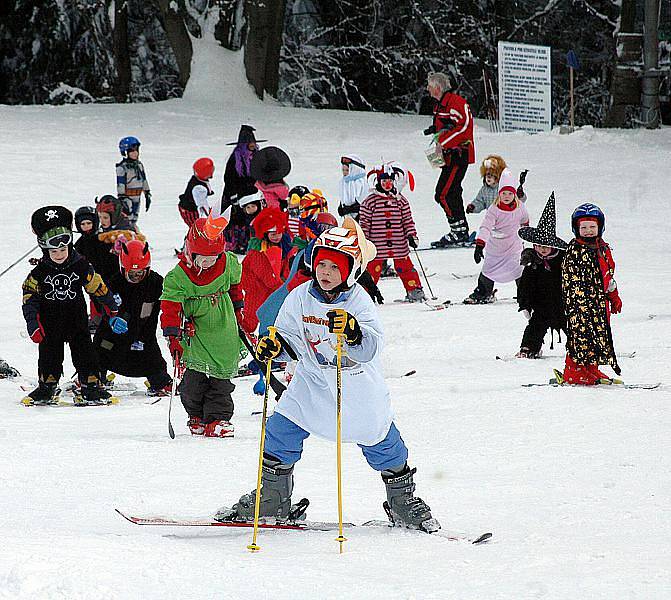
346	160
57	238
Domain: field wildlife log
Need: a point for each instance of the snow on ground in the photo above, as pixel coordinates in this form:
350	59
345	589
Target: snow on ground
574	483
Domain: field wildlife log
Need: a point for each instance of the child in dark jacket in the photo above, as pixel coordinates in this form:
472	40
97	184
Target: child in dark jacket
135	353
55	310
590	296
539	292
131	178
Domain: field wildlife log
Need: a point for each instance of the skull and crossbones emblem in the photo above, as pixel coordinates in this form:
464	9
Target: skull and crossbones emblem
50	214
61	286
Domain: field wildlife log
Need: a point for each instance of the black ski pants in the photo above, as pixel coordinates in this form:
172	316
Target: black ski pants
535	331
52	353
449	193
206	397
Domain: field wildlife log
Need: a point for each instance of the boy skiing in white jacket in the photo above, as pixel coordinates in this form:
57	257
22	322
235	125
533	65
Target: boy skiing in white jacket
308	323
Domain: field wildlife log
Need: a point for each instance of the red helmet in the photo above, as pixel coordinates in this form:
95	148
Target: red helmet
269	219
134	256
203	168
197	242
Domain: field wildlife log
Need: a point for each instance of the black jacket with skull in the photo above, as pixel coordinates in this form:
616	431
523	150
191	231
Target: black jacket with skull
53	296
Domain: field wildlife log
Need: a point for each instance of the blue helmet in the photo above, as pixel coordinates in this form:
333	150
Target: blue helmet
588	210
125	144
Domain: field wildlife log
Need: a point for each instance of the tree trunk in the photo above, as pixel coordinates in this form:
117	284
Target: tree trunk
650	86
265	19
178	36
122	92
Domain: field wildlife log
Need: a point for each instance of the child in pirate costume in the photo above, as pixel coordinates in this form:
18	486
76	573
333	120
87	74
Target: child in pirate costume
55	310
308	323
135	353
498	242
193	202
539	293
200	307
131	179
590	296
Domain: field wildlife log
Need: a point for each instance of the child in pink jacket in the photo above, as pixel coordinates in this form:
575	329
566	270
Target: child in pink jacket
498	241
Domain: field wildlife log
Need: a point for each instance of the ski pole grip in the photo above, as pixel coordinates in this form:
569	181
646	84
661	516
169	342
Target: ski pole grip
272	331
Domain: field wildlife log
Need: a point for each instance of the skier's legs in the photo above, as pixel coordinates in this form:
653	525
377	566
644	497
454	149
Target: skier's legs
449	193
135	210
485	286
407	273
83	356
535	333
192	392
50	359
284	439
217	400
375	269
389	454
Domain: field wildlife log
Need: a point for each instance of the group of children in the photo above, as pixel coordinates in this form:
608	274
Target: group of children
560	287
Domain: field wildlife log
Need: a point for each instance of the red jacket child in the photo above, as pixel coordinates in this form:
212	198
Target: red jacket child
265	267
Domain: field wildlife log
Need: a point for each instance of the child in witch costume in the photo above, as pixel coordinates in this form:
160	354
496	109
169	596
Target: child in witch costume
135	353
238	180
387	221
539	292
590	296
131	179
308	323
498	233
55	310
265	267
200	303
353	186
239	231
193	202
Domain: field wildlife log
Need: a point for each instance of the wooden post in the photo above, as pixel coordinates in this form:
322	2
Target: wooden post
571	92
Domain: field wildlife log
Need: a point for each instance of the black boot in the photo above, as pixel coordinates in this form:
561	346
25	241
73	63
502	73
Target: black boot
45	393
403	508
91	393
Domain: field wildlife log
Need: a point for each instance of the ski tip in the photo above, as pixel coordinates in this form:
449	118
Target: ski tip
485	537
409	373
129	519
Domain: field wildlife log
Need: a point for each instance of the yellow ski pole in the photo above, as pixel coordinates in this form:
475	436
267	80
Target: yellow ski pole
340	539
254	547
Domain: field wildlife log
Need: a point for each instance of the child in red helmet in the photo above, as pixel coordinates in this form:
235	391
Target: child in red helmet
386	220
266	266
193	203
200	301
590	296
135	353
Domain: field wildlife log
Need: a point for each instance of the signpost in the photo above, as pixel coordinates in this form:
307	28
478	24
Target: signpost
525	87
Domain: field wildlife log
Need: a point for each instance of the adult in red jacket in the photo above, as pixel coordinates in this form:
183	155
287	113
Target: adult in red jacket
265	267
453	129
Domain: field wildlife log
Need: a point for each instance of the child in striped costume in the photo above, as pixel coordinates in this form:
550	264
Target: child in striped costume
386	220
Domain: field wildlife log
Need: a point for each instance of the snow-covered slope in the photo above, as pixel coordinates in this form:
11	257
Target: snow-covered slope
574	483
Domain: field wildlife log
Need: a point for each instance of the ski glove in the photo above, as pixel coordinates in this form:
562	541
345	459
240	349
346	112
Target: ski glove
267	349
479	253
176	349
412	241
342	322
523	178
470	208
38	335
615	302
430	130
147	201
118	325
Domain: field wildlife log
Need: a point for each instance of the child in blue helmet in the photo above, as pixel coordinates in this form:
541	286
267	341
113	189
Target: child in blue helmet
590	296
131	178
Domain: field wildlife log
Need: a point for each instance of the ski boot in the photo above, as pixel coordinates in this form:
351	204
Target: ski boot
452	240
416	295
220	429
477	298
277	483
594	370
45	394
166	390
526	353
577	374
91	393
402	507
196	426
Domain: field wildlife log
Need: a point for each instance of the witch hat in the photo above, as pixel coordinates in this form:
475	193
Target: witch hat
246	136
270	165
546	232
